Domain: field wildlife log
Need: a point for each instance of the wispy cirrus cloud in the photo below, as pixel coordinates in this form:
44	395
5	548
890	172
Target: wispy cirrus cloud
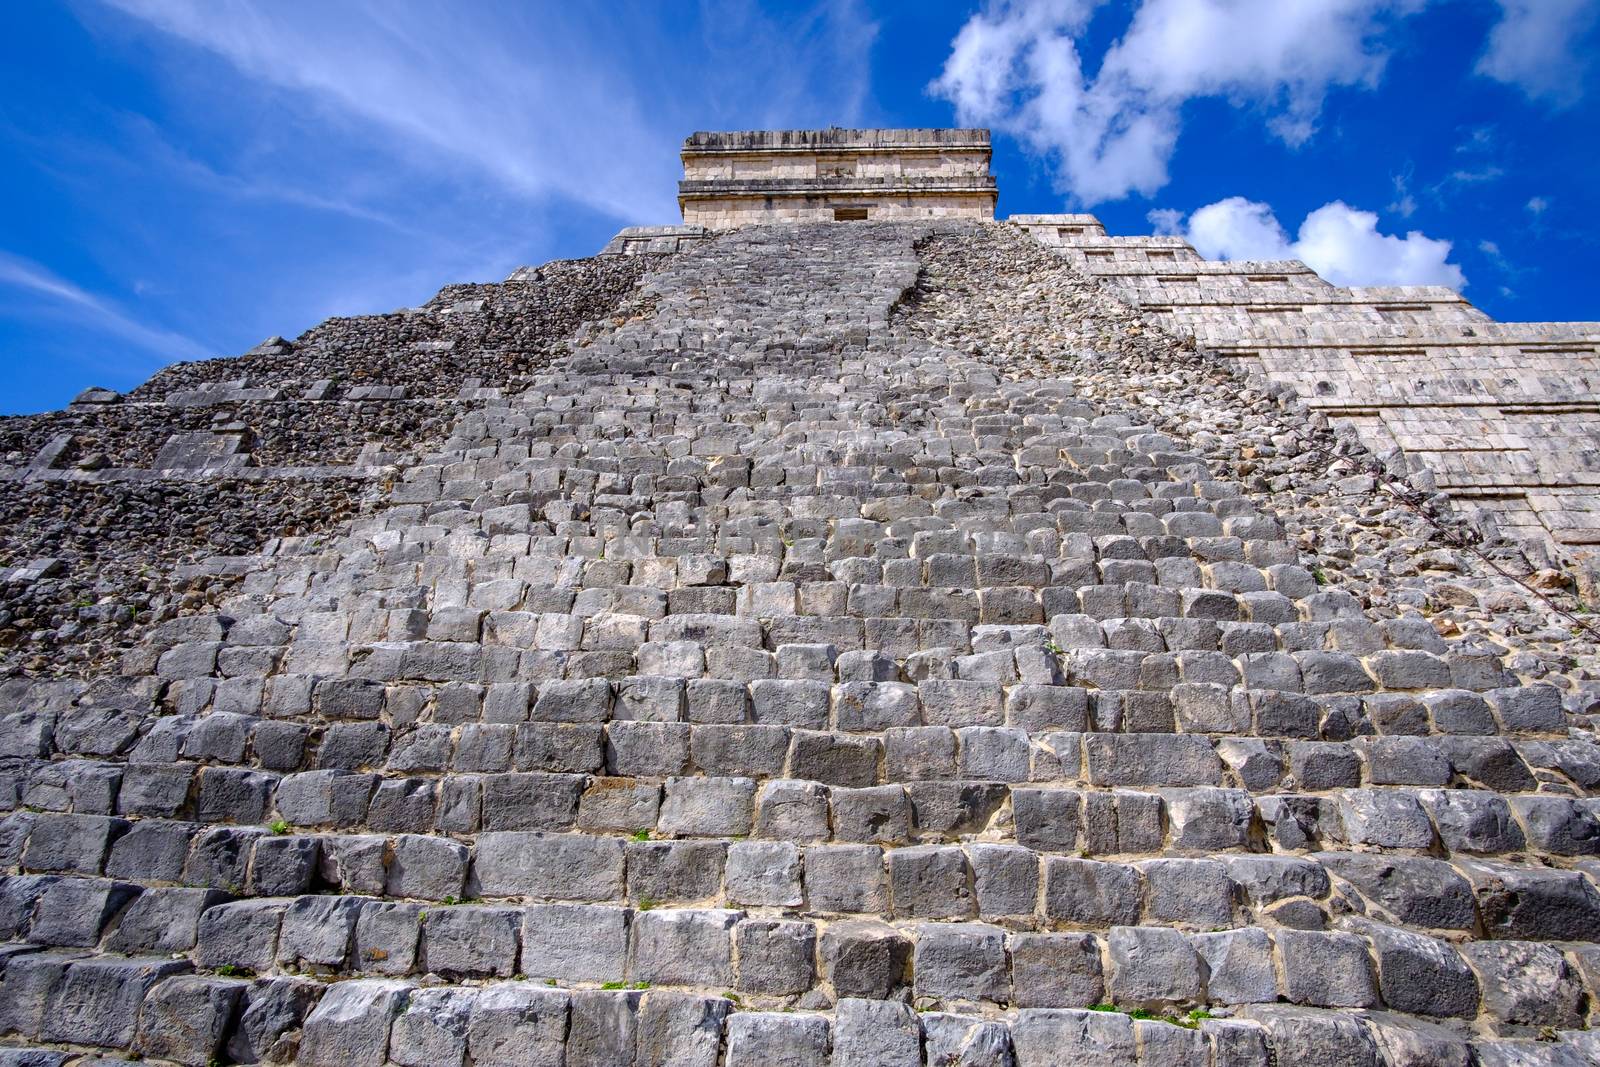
44	293
585	104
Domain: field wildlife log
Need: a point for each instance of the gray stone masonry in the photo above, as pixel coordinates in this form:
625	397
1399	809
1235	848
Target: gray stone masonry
865	648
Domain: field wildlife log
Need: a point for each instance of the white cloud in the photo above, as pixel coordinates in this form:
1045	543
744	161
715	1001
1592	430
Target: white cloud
1536	46
1337	241
1015	66
581	103
1167	221
1538	205
62	298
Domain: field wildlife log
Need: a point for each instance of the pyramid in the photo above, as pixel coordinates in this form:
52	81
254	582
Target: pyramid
869	644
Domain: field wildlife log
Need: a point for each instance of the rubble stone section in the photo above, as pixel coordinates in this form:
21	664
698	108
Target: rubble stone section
1504	417
766	176
118	512
768	681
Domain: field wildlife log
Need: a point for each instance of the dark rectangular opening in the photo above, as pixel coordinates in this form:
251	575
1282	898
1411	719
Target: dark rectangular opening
849	214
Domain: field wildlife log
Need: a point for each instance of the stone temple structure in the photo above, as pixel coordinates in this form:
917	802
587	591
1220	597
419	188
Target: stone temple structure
933	641
760	176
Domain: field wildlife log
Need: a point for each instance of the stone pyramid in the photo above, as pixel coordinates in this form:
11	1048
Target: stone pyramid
867	645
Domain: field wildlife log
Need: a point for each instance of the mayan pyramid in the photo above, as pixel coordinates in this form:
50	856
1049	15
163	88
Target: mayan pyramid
842	629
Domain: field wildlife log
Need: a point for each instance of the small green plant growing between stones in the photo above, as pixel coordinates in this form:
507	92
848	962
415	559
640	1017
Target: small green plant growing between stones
227	970
1319	577
613	985
1054	649
647	903
278	826
640	835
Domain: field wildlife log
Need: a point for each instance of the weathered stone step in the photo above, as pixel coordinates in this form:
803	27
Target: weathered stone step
1043	883
156	1009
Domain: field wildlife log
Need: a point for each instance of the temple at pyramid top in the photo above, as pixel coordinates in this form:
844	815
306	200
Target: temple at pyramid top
734	179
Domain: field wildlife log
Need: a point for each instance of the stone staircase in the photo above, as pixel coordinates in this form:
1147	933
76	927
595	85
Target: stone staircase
767	684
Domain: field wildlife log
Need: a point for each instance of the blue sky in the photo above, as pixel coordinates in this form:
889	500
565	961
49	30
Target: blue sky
181	178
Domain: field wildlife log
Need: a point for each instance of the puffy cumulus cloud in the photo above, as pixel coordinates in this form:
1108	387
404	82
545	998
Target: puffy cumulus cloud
1015	66
1344	246
1536	47
1337	241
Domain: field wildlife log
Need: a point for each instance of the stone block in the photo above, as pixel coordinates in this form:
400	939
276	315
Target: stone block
956	704
74	912
684	946
162	920
1209	820
931	882
387	937
1420	975
1047	1037
575	942
241	934
548	866
774	1039
875	1033
531	801
97	1000
865	958
1326	970
1197	892
317	933
1153	966
1527	984
516	1025
835	759
792	811
776	957
1056	971
432	1030
740	750
270	1024
1151	760
1091	893
682	871
284	865
430	868
961	962
186	1018
878	814
874	706
71	844
793	702
680	1029
846	878
1046	819
764	874
1416	890
470	941
1005	879
1239	967
647	749
602	1028
708	807
966	1041
1315	1038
